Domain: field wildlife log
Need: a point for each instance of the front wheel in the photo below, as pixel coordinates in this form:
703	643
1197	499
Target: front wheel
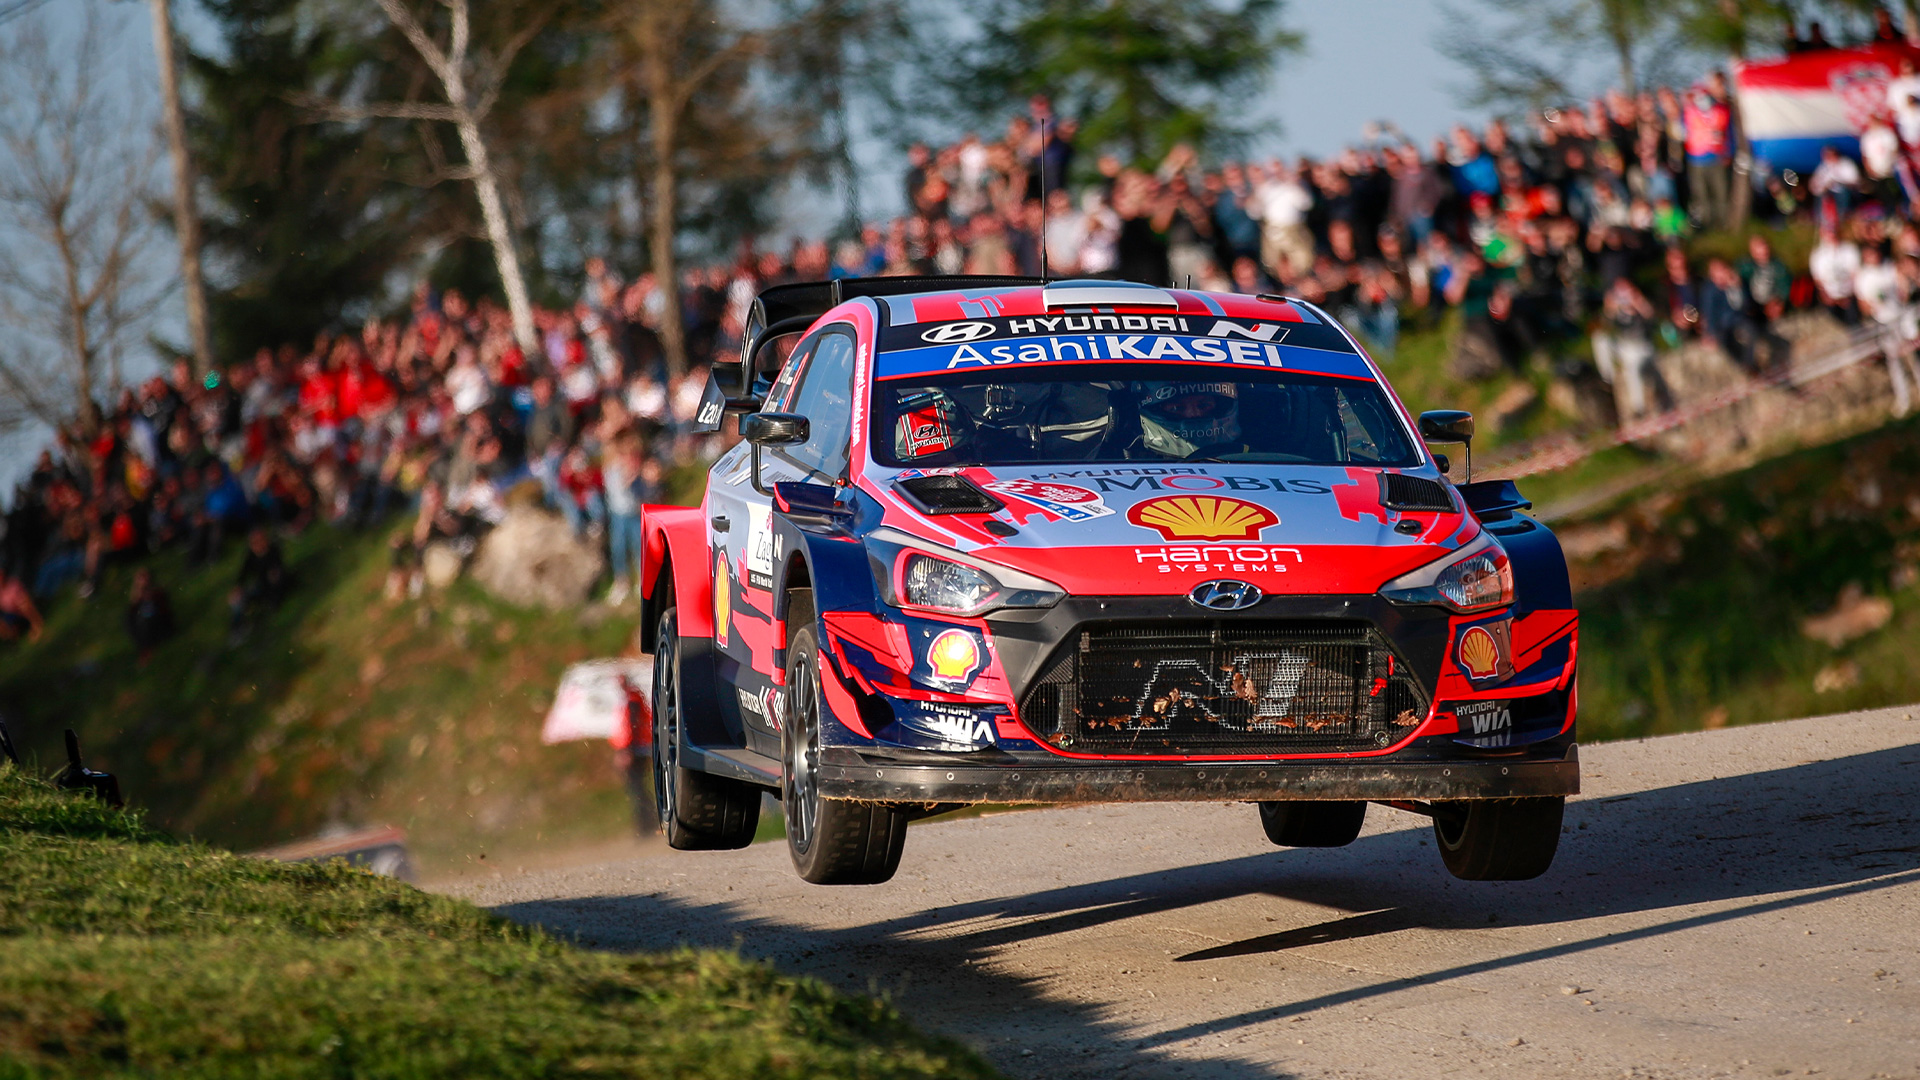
1498	839
832	841
1308	823
698	811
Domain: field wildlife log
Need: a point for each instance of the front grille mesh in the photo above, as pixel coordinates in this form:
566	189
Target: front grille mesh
1219	687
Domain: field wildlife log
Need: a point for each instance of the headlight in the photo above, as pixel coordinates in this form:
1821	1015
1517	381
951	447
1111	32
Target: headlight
909	576
1473	579
948	586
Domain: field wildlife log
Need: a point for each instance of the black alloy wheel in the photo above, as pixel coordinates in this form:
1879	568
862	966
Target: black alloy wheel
1498	839
698	812
832	841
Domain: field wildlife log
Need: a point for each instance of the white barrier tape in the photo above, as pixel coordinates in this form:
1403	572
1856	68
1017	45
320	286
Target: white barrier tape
1560	453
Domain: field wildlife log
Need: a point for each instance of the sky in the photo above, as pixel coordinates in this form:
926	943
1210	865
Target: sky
1364	60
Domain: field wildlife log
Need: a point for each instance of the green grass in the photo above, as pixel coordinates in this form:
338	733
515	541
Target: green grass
1698	617
123	953
340	708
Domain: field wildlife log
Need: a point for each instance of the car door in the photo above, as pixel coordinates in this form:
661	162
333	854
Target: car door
740	524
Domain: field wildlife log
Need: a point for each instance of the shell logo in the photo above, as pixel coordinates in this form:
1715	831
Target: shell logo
1202	517
953	655
1479	653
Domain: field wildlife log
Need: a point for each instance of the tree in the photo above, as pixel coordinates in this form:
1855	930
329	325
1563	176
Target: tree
1140	75
679	51
78	283
186	219
1532	49
470	81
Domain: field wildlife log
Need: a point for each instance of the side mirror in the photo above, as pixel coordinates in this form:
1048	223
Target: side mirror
774	429
771	429
1449	426
1446	425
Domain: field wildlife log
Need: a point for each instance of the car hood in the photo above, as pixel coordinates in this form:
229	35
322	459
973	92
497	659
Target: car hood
1150	530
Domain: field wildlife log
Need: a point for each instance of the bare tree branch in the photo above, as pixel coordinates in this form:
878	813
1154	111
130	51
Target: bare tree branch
379	110
79	281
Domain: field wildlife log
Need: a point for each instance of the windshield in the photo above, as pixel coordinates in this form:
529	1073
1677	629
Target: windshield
1135	412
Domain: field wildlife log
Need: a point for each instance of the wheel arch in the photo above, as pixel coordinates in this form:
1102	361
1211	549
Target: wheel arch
674	569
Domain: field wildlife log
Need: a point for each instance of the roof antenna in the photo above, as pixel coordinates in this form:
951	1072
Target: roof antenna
1043	197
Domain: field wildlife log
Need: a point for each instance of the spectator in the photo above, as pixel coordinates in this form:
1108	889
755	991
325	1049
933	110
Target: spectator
1884	295
262	583
1767	280
625	495
1280	203
1727	314
1832	265
149	614
1708	122
1835	182
1683	296
1623	348
19	618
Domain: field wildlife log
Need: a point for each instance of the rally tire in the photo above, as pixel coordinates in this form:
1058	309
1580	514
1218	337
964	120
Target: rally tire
1310	823
697	811
832	841
1498	839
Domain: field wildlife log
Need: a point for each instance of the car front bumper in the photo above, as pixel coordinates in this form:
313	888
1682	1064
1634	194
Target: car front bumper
1551	769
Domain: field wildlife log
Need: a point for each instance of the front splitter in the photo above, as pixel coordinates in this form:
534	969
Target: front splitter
850	774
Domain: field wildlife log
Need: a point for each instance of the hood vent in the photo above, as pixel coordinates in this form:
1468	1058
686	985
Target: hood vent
1398	491
1097	293
947	495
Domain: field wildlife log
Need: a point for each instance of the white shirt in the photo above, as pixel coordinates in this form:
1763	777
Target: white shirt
1900	95
1879	149
1833	266
468	386
1280	204
1066	235
1100	251
1880	292
1841	172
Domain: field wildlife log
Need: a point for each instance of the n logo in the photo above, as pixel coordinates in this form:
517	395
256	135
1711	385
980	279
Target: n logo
1258	331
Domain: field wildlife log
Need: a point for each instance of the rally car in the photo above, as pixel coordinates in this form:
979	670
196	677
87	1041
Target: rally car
1023	541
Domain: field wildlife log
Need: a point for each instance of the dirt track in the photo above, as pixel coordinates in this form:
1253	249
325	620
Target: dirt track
1743	902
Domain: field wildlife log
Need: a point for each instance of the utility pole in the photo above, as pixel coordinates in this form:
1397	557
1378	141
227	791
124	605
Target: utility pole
186	221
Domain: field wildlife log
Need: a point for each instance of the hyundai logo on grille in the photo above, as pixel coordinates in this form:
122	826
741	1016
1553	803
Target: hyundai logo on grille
954	333
1225	595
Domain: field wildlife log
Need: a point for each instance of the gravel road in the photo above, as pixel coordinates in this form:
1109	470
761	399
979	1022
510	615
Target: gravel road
1740	902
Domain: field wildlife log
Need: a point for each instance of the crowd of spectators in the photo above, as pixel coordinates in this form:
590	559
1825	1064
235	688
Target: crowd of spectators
1541	240
437	415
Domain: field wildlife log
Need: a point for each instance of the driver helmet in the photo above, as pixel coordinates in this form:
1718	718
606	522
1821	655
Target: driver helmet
927	426
1180	418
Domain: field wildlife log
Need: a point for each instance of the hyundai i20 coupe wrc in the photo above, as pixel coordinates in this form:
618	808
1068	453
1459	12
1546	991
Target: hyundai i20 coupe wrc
992	540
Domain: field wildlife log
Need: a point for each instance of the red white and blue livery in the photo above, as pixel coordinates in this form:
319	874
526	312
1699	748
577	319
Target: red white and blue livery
1016	541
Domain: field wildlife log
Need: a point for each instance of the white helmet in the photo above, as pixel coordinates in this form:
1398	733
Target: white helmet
1179	419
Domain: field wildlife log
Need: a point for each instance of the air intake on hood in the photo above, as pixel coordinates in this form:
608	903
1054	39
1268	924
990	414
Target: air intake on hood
947	495
1399	491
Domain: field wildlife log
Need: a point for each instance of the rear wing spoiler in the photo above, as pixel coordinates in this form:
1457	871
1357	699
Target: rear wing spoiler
784	310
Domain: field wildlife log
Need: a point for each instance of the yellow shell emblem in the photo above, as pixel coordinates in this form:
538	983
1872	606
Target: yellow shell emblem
1479	653
1202	517
722	602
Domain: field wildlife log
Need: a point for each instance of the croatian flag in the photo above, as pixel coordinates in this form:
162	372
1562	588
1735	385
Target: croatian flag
1792	107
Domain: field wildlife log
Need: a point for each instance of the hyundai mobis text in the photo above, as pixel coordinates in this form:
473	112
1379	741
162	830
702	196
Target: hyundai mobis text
994	540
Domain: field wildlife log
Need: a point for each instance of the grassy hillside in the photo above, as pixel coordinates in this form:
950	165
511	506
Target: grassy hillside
342	708
1695	603
126	954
